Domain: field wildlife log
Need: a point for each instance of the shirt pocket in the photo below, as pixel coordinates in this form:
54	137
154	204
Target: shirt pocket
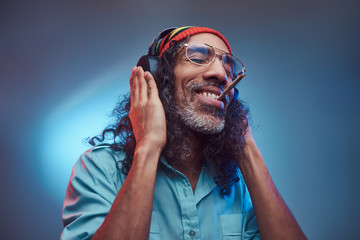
232	226
154	227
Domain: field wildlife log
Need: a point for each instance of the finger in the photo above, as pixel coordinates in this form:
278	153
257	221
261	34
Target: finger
248	131
153	90
248	134
136	87
143	87
131	82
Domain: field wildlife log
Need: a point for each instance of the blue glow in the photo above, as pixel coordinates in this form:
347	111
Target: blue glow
65	128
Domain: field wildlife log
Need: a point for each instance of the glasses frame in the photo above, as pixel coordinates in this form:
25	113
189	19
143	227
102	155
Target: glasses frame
221	56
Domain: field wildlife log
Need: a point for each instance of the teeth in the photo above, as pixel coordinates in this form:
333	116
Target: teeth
212	95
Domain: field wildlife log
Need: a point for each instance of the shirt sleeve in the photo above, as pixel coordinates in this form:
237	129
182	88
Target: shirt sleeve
90	194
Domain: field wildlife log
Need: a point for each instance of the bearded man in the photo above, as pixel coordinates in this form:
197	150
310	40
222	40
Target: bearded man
183	163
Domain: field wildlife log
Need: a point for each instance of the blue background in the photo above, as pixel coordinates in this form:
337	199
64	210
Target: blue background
64	64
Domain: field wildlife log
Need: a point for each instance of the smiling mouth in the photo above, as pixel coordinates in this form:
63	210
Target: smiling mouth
209	94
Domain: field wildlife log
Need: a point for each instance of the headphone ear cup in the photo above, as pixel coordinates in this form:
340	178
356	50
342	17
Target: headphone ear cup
149	63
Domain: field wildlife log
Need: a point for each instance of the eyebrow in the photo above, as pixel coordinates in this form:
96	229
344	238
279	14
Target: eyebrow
219	49
207	45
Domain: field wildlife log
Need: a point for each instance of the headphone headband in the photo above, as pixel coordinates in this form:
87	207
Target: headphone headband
160	36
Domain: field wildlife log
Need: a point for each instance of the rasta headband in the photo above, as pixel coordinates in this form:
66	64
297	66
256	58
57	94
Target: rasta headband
181	33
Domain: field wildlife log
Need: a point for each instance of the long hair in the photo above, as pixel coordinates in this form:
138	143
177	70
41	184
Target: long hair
219	148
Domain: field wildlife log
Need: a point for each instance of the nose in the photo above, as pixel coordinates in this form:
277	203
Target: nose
216	72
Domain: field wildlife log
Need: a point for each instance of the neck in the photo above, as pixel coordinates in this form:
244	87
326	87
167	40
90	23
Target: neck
193	161
191	153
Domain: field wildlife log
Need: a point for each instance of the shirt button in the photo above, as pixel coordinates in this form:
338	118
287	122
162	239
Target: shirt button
192	233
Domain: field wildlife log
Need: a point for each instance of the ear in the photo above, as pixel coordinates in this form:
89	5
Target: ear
149	63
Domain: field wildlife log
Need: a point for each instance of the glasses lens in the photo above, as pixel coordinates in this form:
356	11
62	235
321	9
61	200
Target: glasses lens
203	54
232	65
199	53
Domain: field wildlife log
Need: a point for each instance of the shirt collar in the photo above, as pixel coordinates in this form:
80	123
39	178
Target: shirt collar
205	184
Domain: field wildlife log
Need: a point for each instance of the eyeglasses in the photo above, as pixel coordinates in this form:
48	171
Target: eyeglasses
204	54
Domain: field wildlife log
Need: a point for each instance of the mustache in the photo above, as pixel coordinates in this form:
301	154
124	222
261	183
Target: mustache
196	86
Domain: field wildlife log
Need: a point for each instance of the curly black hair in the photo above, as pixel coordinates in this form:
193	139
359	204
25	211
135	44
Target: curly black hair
220	148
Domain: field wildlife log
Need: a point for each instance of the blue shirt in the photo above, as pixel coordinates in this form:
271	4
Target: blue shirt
178	212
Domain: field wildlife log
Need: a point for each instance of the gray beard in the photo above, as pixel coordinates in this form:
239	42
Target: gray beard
204	119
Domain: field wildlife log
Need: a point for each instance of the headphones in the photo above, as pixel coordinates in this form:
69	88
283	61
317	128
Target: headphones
150	61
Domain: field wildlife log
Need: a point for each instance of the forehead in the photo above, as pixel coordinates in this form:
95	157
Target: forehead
210	39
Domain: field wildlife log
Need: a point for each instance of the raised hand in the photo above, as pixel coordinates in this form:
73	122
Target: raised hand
274	219
137	192
146	113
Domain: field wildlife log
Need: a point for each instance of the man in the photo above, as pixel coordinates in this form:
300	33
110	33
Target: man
183	164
